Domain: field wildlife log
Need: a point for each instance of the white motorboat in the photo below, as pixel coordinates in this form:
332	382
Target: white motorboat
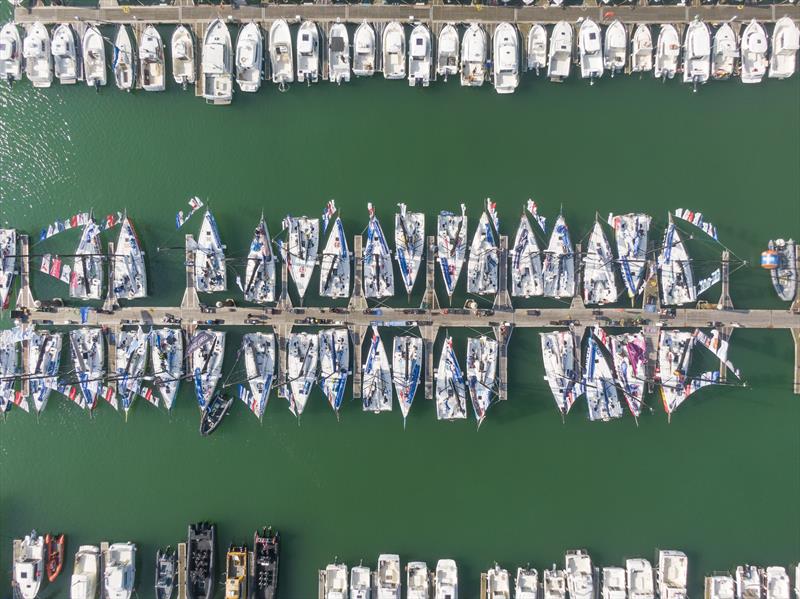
249	58
338	54
629	352
447	51
85	573
44	357
481	373
394	51
445	582
601	390
210	273
378	269
130	359
672	574
129	278
590	48
420	56
28	565
473	56
599	281
719	587
88	357
308	64
280	53
697	53
334	365
537	48
498	584
364	51
450	389
748	582
259	365
675	269
207	351
668	50
558	268
407	356
559	59
119	574
8	372
377	377
784	272
451	246
418	581
754	52
334	268
562	368
639	575
785	43
483	263
409	241
615	47
259	277
614	583
166	355
65	55
183	56
151	60
303	355
724	52
526	262
642	49
94	57
777	583
580	574
526	584
124	62
8	263
360	582
86	281
216	66
554	585
630	232
301	253
38	59
505	63
334	581
388	577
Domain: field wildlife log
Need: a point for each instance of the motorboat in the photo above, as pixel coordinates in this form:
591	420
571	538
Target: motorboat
119	572
630	232
88	357
418	581
260	357
301	250
183	56
451	246
697	53
360	582
364	51
407	357
130	359
236	572
420	52
166	572
450	388
639	576
265	561
334	365
388	582
724	52
249	57
559	58
84	583
259	276
498	583
151	60
482	355
748	582
445	581
216	66
558	268
642	49
554	584
614	583
338	54
601	390
777	583
378	269
54	555
580	574
207	351
65	55
526	584
8	263
537	48
484	258
308	64
37	56
94	57
129	277
615	47
447	51
672	574
599	281
719	587
210	273
86	281
505	63
212	415
754	52
784	271
562	368
44	356
526	262
166	355
590	49
9	359
303	355
280	53
474	47
629	352
409	241
201	548
668	50
785	43
377	377
124	61
675	269
334	582
334	268
28	565
394	51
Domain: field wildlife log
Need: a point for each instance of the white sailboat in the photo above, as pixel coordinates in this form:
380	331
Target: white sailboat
537	48
303	355
28	570
697	53
388	583
498	583
8	263
675	270
447	51
44	357
785	43
473	56
418	581
614	583
445	581
562	368
86	282
558	269
724	52
451	246
119	574
300	252
673	573
526	262
88	358
129	277
130	359
754	52
166	355
420	53
630	363
377	377
590	49
94	57
259	366
601	391
338	54
207	351
668	49
334	274
308	64
559	59
151	60
526	584
210	272
124	62
249	58
639	575
409	241
505	63
407	357
8	372
483	263
364	50
394	51
378	269
217	64
37	56
674	358
450	389
259	283
85	573
642	49
580	574
334	365
280	53
183	56
481	373
599	281
630	232
615	47
65	55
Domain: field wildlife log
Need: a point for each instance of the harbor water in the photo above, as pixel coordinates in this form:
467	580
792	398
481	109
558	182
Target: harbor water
719	482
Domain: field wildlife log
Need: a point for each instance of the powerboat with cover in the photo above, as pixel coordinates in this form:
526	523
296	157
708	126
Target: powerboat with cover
377	377
394	51
673	571
303	355
483	263
601	391
668	50
599	281
580	574
8	263
65	54
554	584
474	46
37	56
724	52
447	51
409	241
334	582
418	581
130	359
334	365
249	58
697	53
388	576
166	355
183	56
334	268
166	572
119	573
614	583
129	278
216	66
559	58
338	54
450	389
407	359
784	275
360	582
562	368
124	61
88	358
210	274
151	60
526	262
201	548
280	53
615	47
28	570
630	232
259	366
629	352
445	581
526	584
308	52
265	561
420	56
94	58
785	43
378	269
675	270
481	373
84	583
259	276
537	48
558	269
44	357
451	246
590	49
754	49
207	351
301	249
505	63
236	572
364	51
639	576
642	49
498	583
86	281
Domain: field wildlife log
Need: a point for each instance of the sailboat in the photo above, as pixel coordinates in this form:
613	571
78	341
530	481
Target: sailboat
409	241
88	357
8	263
377	385
526	262
562	368
130	359
87	272
559	59
124	63
630	363
481	373
378	269
94	57
559	263
675	269
642	49
630	232
483	261
207	351
37	55
601	390
334	365
407	356
308	52
674	358
447	51
473	56
364	50
259	283
599	282
451	246
166	355
259	365
44	357
209	258
301	253
420	53
338	54
450	390
129	277
151	60
537	48
8	372
334	270
303	355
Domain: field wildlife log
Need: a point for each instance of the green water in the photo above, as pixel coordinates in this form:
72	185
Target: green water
721	482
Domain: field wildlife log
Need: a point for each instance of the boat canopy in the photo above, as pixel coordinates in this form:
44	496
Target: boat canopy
394	43
33	47
305	44
181	49
419	49
447	44
591	43
214	59
699	45
615	38
364	44
337	44
6	49
60	47
247	54
788	41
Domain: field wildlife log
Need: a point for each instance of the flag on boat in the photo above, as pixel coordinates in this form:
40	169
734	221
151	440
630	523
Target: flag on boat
330	209
371	209
45	267
541	220
717	346
71	392
79	220
712	279
66	273
249	399
21	401
110	396
55	268
148	395
491	210
696	218
195	204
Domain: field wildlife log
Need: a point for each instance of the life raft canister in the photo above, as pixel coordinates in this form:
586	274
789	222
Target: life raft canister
769	259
